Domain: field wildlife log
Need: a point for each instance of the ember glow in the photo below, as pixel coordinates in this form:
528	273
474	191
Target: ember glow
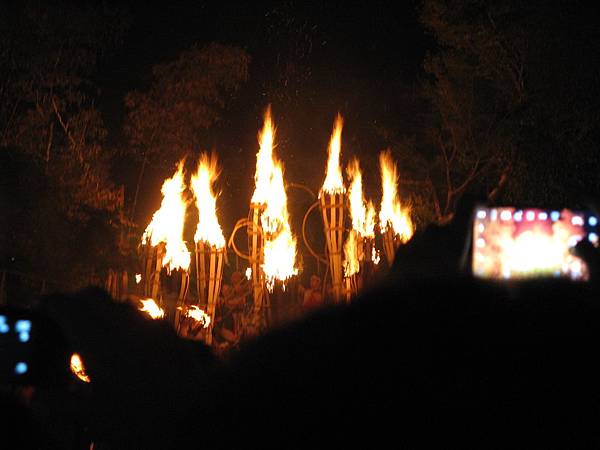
138	278
150	307
168	221
279	244
334	182
391	212
351	263
208	228
198	315
517	244
78	368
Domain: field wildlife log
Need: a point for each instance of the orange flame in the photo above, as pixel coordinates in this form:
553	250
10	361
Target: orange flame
264	160
208	229
280	244
391	213
168	221
370	220
198	315
334	182
78	368
150	307
358	211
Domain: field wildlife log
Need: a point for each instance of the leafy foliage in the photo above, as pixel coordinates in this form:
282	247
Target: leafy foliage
184	100
52	135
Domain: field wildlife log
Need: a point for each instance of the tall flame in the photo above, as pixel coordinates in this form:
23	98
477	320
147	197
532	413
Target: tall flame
391	213
358	213
358	210
167	223
208	229
279	244
334	182
264	161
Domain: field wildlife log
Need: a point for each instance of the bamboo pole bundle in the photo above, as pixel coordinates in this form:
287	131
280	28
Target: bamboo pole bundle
351	287
332	209
147	260
183	290
153	265
256	250
209	268
367	265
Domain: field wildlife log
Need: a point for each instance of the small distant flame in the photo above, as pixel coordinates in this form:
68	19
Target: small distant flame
168	221
334	182
150	307
208	229
78	368
138	278
391	213
375	256
249	273
198	315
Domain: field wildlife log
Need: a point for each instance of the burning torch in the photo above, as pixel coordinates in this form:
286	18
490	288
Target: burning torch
394	221
332	198
210	242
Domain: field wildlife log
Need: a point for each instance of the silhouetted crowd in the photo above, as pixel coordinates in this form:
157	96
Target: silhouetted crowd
430	357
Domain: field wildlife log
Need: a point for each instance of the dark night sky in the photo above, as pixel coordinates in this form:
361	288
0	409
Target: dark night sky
353	47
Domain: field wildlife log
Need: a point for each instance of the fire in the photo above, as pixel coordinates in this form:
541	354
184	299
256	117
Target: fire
279	244
150	307
208	229
168	221
370	220
138	278
198	315
78	368
375	256
334	182
249	273
391	213
358	210
264	161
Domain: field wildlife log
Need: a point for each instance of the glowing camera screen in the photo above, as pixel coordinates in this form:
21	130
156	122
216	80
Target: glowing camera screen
519	243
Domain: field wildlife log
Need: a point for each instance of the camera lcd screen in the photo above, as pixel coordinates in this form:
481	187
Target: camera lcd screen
516	243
